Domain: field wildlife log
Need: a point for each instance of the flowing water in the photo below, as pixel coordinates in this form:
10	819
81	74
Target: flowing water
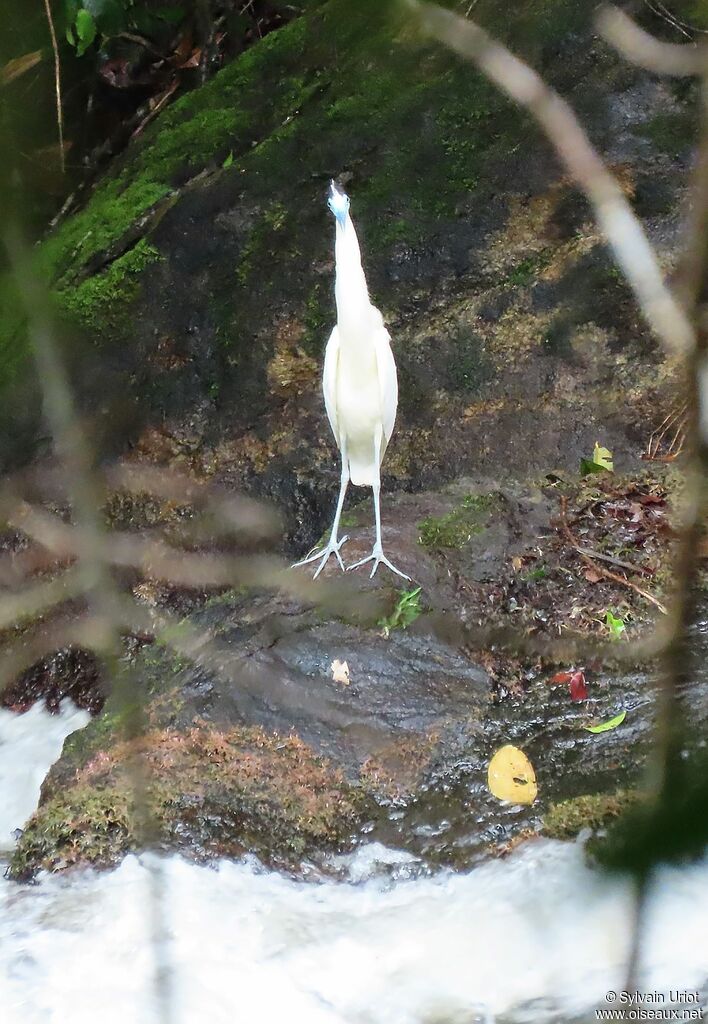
537	937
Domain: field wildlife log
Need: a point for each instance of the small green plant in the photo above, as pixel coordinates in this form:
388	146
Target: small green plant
407	610
601	461
615	624
89	20
535	575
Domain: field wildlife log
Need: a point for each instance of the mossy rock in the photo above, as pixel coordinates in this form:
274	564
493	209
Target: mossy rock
457	527
211	792
565	819
200	269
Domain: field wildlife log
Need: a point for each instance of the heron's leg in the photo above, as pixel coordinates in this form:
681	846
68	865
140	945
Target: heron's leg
377	556
333	546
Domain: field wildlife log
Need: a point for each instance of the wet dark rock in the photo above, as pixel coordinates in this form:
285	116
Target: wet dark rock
69	673
204	288
395	746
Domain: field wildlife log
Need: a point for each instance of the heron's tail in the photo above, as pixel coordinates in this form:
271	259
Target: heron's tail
363	471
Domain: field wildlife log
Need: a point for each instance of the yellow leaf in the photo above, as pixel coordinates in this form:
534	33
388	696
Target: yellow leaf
340	672
511	776
603	457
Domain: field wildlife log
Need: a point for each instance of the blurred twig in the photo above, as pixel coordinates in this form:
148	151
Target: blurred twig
642	49
57	83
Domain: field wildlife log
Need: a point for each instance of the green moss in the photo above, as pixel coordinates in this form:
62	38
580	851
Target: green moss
318	317
84	825
341	86
468	366
564	820
671	133
213	791
99	301
526	272
263	242
456	528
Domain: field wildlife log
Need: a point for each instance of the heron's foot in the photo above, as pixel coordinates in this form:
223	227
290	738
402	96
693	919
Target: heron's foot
377	557
331	549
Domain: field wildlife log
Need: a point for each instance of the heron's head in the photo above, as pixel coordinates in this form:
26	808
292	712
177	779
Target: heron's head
338	202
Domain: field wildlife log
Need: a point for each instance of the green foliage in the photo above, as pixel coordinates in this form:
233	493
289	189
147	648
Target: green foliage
88	21
534	575
407	610
615	625
670	829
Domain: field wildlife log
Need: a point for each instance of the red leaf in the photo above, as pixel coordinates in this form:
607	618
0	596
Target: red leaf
561	677
576	686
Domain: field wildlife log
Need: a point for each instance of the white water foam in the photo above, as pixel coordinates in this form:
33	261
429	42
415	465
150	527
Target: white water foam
244	944
538	936
29	744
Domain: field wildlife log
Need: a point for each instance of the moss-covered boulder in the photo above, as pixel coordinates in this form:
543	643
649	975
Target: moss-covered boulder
204	791
199	271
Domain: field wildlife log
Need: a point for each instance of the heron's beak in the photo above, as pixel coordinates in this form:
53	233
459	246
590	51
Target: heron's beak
338	204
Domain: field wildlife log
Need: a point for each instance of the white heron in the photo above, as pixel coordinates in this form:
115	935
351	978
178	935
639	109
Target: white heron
359	383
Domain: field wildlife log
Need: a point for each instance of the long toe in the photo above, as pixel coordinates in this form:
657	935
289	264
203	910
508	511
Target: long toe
304	561
389	565
362	561
323	554
377	557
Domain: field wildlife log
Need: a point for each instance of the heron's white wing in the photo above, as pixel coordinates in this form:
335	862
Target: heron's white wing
329	381
388	380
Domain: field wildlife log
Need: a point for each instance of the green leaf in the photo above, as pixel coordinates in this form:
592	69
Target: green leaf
606	726
406	611
587	466
615	625
85	30
229	159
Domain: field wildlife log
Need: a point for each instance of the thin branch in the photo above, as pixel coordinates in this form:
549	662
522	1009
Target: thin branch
614	214
670	18
57	83
613	561
642	49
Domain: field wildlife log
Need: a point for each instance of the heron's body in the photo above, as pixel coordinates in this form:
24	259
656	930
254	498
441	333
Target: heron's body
359	381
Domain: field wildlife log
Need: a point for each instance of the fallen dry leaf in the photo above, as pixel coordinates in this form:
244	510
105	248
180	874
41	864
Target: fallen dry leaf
511	777
340	672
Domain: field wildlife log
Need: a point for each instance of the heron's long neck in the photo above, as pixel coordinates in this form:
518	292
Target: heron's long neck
351	293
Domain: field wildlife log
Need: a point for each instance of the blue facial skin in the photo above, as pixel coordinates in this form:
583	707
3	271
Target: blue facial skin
338	203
